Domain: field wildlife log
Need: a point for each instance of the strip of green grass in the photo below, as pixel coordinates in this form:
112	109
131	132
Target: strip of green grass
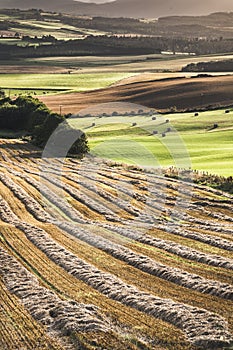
71	82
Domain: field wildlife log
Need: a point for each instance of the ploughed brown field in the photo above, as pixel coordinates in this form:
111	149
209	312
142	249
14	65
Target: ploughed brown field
131	260
180	93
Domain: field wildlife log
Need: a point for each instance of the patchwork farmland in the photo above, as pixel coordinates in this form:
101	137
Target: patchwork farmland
122	258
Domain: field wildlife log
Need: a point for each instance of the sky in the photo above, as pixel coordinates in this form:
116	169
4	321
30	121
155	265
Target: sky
97	1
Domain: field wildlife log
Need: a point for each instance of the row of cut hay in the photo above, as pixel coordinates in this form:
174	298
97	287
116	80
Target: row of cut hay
128	193
158	194
65	207
184	232
213	214
122	204
213	241
125	323
172	247
157	199
213	329
89	202
63	316
153	179
18	327
150	266
31	204
183	316
169	246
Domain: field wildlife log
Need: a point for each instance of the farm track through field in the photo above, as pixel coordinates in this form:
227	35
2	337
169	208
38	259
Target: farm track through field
124	216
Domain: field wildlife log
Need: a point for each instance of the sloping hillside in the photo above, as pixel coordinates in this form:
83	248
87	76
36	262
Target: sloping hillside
122	263
182	93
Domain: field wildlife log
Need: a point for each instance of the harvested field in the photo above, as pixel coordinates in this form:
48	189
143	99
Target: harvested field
184	93
111	258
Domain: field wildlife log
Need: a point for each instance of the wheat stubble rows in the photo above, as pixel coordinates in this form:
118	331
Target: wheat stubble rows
129	260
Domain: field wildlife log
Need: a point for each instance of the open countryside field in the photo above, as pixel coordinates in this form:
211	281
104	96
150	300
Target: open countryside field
53	83
108	271
163	64
163	95
134	64
209	149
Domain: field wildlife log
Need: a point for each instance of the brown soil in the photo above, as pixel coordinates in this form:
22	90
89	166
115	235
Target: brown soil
182	93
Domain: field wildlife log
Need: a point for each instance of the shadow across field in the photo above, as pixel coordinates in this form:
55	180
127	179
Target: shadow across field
179	95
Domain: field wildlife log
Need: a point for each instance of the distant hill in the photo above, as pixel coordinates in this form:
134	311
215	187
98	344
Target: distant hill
126	8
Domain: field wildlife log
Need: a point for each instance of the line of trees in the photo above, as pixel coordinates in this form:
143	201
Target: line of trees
39	123
112	45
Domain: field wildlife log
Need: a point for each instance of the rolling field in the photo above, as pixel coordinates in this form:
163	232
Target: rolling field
156	65
53	83
134	64
209	149
120	259
179	94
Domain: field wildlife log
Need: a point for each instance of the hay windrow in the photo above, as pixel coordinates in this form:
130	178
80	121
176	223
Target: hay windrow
125	204
64	316
214	328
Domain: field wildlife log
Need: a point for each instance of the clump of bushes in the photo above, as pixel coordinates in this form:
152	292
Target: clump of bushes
28	114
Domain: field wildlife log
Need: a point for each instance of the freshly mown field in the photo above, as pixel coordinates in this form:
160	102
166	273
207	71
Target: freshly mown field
122	258
53	83
132	139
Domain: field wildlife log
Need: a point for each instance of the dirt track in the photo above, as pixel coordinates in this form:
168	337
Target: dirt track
184	93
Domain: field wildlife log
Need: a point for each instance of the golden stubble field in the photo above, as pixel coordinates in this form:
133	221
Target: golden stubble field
131	261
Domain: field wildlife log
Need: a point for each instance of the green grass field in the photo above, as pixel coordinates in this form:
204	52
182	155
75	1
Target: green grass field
191	143
52	83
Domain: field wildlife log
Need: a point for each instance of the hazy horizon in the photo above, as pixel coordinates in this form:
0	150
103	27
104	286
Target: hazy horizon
96	1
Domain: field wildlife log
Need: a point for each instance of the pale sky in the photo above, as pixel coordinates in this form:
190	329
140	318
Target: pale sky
97	1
